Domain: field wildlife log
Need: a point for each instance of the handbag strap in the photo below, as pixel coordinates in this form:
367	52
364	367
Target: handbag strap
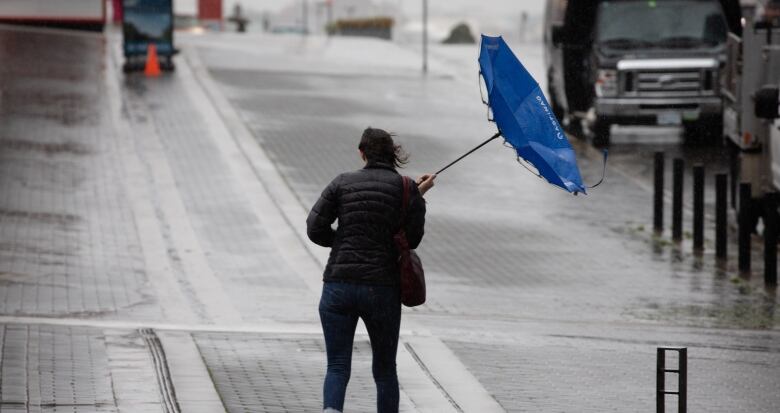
405	199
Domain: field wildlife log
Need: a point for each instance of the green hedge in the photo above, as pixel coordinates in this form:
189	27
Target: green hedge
373	23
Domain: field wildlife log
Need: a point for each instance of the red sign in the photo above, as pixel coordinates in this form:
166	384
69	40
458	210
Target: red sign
210	9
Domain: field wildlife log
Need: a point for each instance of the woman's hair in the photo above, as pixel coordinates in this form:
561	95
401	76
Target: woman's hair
378	146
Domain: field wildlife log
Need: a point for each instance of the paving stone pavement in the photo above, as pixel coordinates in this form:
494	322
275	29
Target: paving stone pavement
238	248
68	244
499	265
278	373
46	368
608	377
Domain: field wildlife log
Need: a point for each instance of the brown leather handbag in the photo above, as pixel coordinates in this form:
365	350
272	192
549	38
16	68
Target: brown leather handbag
412	274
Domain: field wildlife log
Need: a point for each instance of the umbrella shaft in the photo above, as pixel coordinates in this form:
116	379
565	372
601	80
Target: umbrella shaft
469	152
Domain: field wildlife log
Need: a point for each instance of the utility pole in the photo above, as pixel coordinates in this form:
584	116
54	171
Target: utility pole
425	36
305	17
329	4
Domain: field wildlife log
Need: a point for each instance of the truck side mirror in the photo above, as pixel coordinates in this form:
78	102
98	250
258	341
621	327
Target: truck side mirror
557	35
767	101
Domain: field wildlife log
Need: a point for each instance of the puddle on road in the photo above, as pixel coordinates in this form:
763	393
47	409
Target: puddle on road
727	299
69	109
756	314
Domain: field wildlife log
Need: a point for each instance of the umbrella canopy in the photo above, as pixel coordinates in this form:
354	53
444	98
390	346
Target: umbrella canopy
525	118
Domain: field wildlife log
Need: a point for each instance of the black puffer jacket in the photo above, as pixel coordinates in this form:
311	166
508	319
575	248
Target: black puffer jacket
367	204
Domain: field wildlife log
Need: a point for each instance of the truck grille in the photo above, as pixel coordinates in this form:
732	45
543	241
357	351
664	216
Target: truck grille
666	83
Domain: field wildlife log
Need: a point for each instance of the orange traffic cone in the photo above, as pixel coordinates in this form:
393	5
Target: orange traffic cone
152	63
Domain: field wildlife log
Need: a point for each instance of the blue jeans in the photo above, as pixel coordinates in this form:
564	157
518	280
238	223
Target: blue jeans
380	308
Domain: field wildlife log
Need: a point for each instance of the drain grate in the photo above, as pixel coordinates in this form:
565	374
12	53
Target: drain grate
167	391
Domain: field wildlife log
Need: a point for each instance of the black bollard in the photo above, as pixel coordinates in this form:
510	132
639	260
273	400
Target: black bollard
770	239
744	226
733	175
677	194
721	235
698	207
658	195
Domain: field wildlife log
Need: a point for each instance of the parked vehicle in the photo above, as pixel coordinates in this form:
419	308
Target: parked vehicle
768	108
81	14
750	81
147	22
638	62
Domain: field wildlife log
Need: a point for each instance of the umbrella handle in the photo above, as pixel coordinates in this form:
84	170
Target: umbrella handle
470	152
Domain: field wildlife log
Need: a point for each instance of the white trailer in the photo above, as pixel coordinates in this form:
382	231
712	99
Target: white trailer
753	64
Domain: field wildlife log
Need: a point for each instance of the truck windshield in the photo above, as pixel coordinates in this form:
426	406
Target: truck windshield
631	24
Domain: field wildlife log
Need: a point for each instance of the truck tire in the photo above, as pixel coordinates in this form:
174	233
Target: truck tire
707	131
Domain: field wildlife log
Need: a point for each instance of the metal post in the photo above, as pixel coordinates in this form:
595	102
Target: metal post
682	386
721	234
682	379
744	226
329	4
733	172
660	381
677	195
305	17
425	37
658	195
698	207
770	239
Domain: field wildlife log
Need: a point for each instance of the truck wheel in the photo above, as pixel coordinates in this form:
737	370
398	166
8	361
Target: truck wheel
708	131
169	65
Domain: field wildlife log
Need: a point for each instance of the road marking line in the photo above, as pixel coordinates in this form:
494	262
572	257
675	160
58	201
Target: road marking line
270	327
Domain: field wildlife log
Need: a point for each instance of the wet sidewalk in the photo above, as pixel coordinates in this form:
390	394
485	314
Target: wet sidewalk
153	255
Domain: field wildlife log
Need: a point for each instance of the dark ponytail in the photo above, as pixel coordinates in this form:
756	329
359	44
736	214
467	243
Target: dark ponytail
378	146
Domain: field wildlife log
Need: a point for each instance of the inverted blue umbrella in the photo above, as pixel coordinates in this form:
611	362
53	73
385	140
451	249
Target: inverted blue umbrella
525	118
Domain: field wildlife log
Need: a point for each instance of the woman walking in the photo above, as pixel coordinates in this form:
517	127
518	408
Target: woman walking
361	279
